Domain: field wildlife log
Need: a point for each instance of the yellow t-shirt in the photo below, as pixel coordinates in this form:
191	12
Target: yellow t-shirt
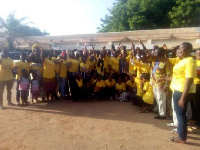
106	64
139	88
20	66
48	68
131	65
91	64
114	62
142	68
197	80
120	87
74	67
84	67
110	83
80	83
99	85
130	84
186	68
63	69
6	67
148	95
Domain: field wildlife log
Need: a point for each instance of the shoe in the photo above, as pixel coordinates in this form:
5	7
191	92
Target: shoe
160	117
177	140
171	125
174	131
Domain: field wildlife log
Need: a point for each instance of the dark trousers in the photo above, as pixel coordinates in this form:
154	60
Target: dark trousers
197	103
181	114
110	92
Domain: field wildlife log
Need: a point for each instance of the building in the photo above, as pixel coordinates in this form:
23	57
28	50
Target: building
170	37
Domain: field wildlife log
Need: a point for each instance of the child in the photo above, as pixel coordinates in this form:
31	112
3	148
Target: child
147	100
35	87
120	90
99	86
110	87
79	87
24	84
131	88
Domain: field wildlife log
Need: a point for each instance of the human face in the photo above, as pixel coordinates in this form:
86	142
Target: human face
197	54
182	52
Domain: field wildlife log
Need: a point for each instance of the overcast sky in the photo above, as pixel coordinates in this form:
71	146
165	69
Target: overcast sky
59	17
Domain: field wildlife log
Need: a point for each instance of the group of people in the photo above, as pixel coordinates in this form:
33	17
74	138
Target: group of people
137	75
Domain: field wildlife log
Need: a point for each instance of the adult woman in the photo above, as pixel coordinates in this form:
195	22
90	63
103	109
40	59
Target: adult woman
183	86
49	75
6	77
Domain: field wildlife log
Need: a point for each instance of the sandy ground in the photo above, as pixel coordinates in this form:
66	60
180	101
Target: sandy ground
88	125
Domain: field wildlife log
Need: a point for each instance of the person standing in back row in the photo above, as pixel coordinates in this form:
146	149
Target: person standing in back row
6	77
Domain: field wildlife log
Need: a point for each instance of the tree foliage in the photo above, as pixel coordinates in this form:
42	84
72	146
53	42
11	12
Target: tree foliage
12	28
128	15
185	13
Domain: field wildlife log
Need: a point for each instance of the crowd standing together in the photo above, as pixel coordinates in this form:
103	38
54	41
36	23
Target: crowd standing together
137	75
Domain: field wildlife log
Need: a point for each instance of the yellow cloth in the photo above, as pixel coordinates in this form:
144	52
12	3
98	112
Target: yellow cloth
110	83
74	67
131	65
91	64
130	84
48	68
6	67
197	80
84	67
99	85
80	83
174	61
120	87
106	64
186	68
139	88
161	72
114	62
57	65
148	95
20	66
63	69
142	68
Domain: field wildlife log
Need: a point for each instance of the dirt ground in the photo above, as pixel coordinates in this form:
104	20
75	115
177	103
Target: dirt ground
88	125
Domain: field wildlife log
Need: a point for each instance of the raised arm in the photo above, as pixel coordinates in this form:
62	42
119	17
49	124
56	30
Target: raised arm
143	46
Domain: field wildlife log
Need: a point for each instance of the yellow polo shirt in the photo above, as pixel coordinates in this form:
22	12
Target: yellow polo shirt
6	67
20	66
49	68
185	68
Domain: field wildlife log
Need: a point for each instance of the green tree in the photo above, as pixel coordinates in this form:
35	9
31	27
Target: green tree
185	13
12	28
